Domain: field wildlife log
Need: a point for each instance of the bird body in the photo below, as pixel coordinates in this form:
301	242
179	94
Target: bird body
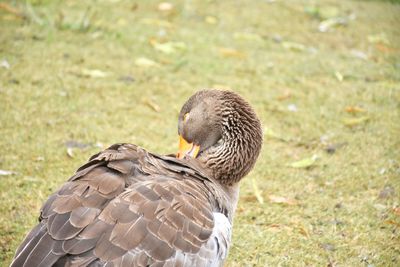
129	207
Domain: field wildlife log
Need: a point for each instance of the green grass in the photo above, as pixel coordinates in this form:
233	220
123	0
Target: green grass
50	95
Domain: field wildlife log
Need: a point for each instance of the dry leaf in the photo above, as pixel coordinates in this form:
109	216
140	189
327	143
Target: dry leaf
4	64
145	62
93	73
257	191
355	121
328	24
231	52
70	152
151	104
303	231
396	211
304	163
168	47
392	222
284	96
282	200
354	109
339	76
165	6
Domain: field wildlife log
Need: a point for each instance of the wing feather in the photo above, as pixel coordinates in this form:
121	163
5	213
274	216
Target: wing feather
126	207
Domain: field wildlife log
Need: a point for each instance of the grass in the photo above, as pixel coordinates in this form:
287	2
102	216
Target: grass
70	72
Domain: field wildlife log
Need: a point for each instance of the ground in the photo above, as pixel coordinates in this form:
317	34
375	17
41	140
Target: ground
324	77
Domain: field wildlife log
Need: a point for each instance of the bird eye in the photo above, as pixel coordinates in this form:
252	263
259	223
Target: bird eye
186	117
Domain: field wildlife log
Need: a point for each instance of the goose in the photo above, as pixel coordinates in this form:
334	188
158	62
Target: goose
129	207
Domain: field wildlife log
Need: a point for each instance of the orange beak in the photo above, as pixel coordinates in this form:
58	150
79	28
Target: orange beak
186	148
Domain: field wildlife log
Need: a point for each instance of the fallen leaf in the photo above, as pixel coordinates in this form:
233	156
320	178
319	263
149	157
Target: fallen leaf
338	76
165	6
354	109
231	52
282	200
328	24
5	173
70	152
211	20
303	231
93	73
392	222
396	211
355	121
305	163
247	36
294	46
145	62
284	96
151	104
257	191
4	64
40	158
168	47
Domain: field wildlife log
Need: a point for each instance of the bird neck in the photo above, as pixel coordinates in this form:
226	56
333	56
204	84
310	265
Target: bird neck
240	147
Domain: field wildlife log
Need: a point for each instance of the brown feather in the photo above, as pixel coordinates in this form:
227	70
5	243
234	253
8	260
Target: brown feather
127	207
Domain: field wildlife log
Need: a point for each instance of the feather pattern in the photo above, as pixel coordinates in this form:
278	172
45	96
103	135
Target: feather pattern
127	207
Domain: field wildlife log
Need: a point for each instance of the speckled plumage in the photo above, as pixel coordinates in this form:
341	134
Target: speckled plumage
129	207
